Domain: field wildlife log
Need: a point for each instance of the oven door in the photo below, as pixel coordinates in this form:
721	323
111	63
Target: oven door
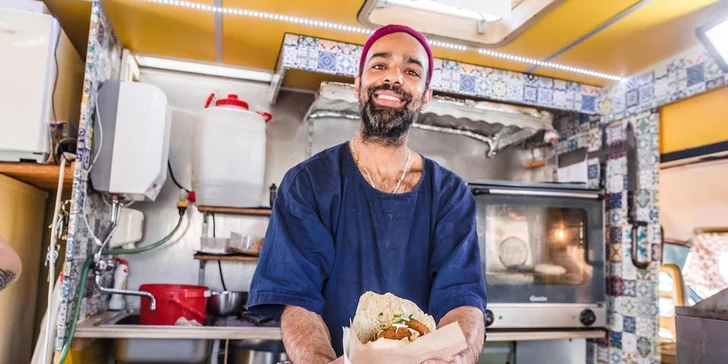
541	246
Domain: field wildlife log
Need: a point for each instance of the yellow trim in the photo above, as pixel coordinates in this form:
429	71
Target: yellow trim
694	122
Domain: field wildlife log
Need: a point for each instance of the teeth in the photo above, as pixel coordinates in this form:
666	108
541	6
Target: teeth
387	97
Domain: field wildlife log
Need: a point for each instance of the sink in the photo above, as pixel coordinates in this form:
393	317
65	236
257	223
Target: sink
154	350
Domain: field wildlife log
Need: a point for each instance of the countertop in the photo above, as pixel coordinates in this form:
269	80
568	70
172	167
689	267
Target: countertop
90	328
231	329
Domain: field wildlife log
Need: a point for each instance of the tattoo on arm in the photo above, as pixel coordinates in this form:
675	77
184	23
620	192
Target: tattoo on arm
306	337
472	323
6	277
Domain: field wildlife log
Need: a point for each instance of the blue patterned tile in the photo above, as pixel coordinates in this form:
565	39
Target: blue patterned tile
695	74
515	92
545	96
530	94
467	83
716	82
326	61
588	103
644	346
615	339
632	98
629	324
593	171
646	93
630	288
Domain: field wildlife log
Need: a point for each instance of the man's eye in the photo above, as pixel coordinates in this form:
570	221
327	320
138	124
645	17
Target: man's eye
378	67
413	73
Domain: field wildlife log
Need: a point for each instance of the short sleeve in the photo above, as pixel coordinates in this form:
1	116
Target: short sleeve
455	262
297	254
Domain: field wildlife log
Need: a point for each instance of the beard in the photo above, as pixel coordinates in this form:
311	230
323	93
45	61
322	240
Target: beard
384	124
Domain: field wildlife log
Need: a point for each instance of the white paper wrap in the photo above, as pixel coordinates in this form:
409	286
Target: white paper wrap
444	344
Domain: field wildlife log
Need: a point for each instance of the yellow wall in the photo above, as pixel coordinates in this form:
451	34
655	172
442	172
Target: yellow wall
694	122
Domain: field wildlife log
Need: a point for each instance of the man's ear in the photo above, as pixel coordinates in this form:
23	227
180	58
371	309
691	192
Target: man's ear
427	98
357	81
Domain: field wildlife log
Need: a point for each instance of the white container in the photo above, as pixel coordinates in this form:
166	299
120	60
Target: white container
228	154
214	245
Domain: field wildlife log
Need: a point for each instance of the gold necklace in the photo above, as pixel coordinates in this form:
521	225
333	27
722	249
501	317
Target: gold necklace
405	168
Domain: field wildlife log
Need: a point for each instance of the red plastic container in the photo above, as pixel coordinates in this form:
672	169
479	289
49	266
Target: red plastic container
173	301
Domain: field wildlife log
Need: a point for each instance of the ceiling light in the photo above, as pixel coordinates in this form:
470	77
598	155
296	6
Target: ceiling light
437	7
488	52
204	69
714	36
352	29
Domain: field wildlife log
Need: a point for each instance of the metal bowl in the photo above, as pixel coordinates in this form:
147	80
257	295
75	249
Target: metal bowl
226	303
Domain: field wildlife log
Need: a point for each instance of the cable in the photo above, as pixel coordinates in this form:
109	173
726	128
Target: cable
97	114
55	84
51	257
171	174
219	263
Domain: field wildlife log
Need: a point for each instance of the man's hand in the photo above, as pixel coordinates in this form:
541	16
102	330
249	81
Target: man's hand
306	337
473	325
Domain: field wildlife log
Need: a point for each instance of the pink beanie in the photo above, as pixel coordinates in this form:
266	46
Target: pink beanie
393	28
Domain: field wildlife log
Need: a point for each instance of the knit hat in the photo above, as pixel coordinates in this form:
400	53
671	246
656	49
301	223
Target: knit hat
394	28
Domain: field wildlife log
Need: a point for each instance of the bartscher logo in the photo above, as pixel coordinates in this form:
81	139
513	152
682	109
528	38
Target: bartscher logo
538	299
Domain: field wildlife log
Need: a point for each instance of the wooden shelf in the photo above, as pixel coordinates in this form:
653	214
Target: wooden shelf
262	211
534	164
232	258
43	176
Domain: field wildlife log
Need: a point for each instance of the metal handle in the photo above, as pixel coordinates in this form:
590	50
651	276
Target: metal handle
635	258
515	192
189	307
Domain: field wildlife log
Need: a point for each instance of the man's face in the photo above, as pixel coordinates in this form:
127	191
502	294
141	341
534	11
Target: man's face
392	88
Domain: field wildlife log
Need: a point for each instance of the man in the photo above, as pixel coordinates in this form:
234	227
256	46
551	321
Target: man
10	265
372	215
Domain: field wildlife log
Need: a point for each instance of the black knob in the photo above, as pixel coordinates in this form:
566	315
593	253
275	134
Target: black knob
587	317
489	318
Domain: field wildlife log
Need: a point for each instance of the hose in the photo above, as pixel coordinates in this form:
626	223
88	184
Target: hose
77	309
87	265
146	247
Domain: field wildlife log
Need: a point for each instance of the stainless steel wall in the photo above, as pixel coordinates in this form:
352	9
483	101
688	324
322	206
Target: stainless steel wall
286	146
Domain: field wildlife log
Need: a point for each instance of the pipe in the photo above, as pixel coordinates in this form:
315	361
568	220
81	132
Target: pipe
152	305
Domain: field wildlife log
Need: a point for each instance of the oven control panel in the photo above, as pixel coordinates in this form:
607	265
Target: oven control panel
545	316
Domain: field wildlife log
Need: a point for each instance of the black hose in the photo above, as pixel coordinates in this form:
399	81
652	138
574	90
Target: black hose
219	263
171	174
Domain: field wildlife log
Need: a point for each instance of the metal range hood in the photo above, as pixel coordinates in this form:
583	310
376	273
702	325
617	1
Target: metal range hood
493	126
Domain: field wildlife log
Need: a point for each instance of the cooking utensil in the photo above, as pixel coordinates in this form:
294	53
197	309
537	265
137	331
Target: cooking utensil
174	301
632	188
258	352
226	303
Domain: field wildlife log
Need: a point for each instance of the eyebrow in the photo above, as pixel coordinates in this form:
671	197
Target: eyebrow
408	59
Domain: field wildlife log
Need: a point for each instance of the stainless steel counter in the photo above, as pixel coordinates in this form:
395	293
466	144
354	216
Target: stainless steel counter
92	328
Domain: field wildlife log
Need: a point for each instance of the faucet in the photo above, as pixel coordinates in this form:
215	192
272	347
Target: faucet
152	305
100	265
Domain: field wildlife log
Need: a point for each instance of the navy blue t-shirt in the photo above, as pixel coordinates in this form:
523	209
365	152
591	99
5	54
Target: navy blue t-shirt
332	237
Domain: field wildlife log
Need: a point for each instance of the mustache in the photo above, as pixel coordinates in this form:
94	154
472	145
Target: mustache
406	96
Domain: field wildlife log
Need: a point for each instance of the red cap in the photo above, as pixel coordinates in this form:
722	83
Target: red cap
394	28
232	100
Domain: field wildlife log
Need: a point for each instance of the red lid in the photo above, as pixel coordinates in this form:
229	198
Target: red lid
122	261
232	100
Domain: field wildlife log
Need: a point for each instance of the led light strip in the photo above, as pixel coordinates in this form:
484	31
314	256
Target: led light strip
352	29
547	64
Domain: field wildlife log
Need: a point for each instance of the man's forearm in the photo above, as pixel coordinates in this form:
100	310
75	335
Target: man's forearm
473	327
306	337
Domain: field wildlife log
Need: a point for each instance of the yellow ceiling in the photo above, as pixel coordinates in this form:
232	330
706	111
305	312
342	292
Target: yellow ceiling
655	31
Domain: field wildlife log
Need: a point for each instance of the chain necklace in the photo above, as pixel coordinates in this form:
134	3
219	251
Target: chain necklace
405	168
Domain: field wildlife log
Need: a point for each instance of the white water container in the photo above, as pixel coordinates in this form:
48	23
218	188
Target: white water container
228	154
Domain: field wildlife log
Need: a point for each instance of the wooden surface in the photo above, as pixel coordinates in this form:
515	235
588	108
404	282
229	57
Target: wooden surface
43	176
235	210
235	258
22	209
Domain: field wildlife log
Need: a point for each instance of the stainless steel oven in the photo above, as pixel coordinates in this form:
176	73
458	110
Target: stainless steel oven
542	246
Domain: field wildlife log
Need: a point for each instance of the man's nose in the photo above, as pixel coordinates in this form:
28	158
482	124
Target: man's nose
394	76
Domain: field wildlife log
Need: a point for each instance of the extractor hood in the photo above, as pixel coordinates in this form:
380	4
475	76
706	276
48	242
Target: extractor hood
489	127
